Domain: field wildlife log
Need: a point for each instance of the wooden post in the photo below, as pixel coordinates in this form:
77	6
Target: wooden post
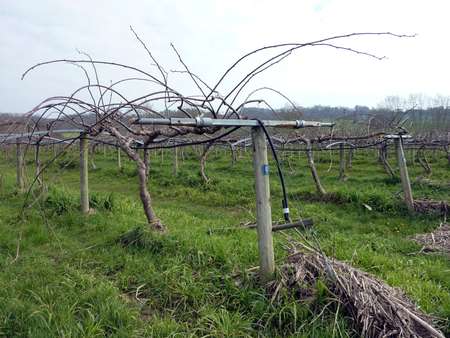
263	209
341	162
20	170
233	155
119	159
37	161
84	189
404	173
175	160
349	163
9	152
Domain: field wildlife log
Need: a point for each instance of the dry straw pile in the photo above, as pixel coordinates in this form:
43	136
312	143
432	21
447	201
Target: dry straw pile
377	309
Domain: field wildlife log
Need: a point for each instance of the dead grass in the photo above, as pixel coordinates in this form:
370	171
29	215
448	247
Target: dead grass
377	309
438	240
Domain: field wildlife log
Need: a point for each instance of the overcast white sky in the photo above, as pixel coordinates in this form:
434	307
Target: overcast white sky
211	34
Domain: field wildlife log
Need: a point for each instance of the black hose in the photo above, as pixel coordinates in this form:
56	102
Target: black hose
284	202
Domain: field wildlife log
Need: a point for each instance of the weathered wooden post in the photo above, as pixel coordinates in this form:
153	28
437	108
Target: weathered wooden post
406	184
37	162
263	208
20	169
175	160
7	152
84	188
233	154
119	158
341	162
349	163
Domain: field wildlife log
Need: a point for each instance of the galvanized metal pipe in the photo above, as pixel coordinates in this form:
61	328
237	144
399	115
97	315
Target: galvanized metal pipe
210	122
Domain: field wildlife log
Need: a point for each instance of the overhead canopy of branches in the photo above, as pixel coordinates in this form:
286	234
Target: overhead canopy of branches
104	112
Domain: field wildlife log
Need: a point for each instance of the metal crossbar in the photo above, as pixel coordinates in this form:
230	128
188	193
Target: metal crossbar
210	122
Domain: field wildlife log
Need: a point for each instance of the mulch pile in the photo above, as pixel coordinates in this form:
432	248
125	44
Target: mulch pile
438	240
377	309
427	206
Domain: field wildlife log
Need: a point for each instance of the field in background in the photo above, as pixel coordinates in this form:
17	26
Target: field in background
73	277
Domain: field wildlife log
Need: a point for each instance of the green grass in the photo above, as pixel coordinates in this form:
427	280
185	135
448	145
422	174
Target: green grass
76	276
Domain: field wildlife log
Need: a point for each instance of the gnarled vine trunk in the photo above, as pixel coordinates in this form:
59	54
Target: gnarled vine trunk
421	157
309	155
203	158
382	157
146	200
447	151
142	170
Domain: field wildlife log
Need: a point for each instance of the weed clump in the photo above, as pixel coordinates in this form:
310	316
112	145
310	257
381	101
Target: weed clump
107	201
144	238
391	180
376	201
62	201
67	163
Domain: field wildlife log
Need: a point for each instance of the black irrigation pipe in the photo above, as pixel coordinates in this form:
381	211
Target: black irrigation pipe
284	202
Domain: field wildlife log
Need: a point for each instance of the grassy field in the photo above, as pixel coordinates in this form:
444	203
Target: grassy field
65	275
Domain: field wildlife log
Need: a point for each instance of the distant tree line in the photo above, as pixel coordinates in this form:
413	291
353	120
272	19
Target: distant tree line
420	115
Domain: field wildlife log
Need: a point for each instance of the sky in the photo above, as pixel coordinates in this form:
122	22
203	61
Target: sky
211	34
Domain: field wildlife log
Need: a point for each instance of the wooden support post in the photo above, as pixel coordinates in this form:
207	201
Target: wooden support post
263	208
349	163
37	162
175	160
341	162
84	189
233	155
119	159
406	184
20	169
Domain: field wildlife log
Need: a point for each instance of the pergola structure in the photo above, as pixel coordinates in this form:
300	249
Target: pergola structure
261	172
